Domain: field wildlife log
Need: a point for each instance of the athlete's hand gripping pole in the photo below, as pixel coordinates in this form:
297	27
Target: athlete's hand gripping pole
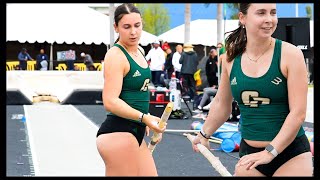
215	162
165	116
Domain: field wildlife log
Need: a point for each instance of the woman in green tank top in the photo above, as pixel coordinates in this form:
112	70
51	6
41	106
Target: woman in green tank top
126	96
268	79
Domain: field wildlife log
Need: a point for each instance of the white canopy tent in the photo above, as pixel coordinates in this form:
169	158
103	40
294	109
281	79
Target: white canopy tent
202	31
70	23
59	23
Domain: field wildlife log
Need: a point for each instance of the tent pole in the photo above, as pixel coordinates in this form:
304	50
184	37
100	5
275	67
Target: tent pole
111	14
51	57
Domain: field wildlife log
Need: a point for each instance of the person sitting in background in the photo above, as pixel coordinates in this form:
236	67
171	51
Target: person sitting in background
92	68
76	68
208	94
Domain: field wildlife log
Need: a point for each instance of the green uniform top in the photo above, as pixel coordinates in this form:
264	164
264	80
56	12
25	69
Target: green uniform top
222	50
135	90
263	101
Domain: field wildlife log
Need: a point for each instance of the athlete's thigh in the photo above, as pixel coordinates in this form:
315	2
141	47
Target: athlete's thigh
242	171
300	165
118	149
147	165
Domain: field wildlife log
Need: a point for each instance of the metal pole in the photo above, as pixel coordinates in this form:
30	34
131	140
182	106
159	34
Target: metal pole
51	57
224	20
220	34
187	17
297	10
219	23
111	15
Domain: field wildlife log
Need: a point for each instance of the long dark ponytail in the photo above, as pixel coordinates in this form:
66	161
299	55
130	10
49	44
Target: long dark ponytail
125	8
237	40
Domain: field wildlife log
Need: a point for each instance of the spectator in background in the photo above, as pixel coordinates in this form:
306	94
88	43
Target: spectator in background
157	60
168	67
91	68
175	61
221	55
212	68
23	57
76	68
40	58
164	46
44	65
70	62
221	49
189	61
87	60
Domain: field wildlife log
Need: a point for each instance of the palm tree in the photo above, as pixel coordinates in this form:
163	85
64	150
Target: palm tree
219	23
111	14
187	17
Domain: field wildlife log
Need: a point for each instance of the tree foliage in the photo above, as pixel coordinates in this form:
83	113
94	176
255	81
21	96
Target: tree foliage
234	8
309	11
155	18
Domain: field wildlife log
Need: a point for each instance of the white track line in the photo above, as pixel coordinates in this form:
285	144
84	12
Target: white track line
31	142
62	141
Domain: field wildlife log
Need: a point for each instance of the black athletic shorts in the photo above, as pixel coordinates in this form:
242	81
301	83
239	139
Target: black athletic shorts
118	124
298	146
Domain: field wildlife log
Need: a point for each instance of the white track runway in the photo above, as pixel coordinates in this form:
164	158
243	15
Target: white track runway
62	141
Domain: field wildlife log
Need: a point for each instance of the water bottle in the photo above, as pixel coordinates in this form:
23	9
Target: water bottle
172	87
173	82
174	93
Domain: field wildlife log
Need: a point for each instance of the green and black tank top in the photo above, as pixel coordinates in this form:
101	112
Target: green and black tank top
263	101
135	90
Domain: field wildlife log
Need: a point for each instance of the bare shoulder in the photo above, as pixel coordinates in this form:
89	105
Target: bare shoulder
225	64
291	53
114	53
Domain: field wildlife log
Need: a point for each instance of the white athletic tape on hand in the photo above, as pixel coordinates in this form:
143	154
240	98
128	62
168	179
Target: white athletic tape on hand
165	116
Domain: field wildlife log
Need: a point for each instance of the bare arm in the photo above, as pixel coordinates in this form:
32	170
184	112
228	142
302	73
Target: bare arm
296	73
116	67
